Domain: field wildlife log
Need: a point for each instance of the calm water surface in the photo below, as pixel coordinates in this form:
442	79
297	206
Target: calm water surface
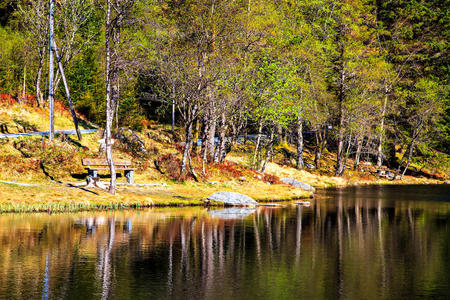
387	242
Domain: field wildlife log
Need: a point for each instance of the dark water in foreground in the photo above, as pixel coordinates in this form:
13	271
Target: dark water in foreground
357	243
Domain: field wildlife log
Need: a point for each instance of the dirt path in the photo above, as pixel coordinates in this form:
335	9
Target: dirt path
43	133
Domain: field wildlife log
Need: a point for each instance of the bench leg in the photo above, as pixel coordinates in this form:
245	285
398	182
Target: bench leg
89	181
129	176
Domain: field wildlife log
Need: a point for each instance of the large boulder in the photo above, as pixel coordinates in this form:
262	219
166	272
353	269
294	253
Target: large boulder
298	184
232	213
232	199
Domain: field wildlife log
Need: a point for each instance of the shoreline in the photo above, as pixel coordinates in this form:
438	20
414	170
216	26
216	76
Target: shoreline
62	198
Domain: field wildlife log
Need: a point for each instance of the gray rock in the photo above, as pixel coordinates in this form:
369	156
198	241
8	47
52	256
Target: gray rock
231	198
232	213
310	166
298	184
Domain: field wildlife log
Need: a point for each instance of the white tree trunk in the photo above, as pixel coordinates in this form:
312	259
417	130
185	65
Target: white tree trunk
380	140
24	90
51	73
109	104
38	85
299	144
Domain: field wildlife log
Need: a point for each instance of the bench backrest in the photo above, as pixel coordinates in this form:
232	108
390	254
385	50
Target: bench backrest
104	162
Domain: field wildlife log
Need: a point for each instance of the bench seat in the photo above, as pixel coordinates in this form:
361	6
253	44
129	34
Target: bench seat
107	168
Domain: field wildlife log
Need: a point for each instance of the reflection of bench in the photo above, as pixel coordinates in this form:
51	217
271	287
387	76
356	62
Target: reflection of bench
93	165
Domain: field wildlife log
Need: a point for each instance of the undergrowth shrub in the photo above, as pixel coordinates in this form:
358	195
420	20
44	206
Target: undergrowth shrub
228	169
7	99
180	147
272	179
56	160
367	177
131	143
160	136
170	165
59	160
12	163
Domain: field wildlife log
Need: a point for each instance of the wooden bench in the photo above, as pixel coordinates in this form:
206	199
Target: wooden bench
383	173
93	165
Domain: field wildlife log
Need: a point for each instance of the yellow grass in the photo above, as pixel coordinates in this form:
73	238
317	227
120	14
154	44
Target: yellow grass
57	197
53	166
39	117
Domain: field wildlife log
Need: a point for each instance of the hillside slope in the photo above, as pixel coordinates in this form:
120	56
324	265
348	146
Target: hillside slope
34	160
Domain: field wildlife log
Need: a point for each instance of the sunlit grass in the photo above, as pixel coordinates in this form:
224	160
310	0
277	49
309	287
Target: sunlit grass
58	198
52	166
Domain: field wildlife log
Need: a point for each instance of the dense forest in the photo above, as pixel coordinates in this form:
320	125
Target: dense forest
356	77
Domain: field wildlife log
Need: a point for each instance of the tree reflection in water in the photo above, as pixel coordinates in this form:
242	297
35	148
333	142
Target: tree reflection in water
345	246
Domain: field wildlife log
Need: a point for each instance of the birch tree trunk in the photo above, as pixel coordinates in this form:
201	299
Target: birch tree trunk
222	139
258	142
204	137
341	99
195	135
186	148
24	90
340	151
321	142
38	85
269	151
380	139
411	149
51	73
173	116
115	82
190	117
236	126
300	163
358	152
347	151
212	132
317	149
109	104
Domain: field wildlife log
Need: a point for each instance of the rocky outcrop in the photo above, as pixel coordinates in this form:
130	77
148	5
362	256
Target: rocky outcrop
298	184
131	142
232	199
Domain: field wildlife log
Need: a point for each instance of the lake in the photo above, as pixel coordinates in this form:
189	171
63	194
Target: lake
374	242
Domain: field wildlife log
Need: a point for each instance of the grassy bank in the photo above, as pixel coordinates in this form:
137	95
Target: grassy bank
61	197
51	167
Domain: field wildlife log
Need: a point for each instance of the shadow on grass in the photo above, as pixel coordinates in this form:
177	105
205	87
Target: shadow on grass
68	184
66	138
26	126
86	125
81	188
